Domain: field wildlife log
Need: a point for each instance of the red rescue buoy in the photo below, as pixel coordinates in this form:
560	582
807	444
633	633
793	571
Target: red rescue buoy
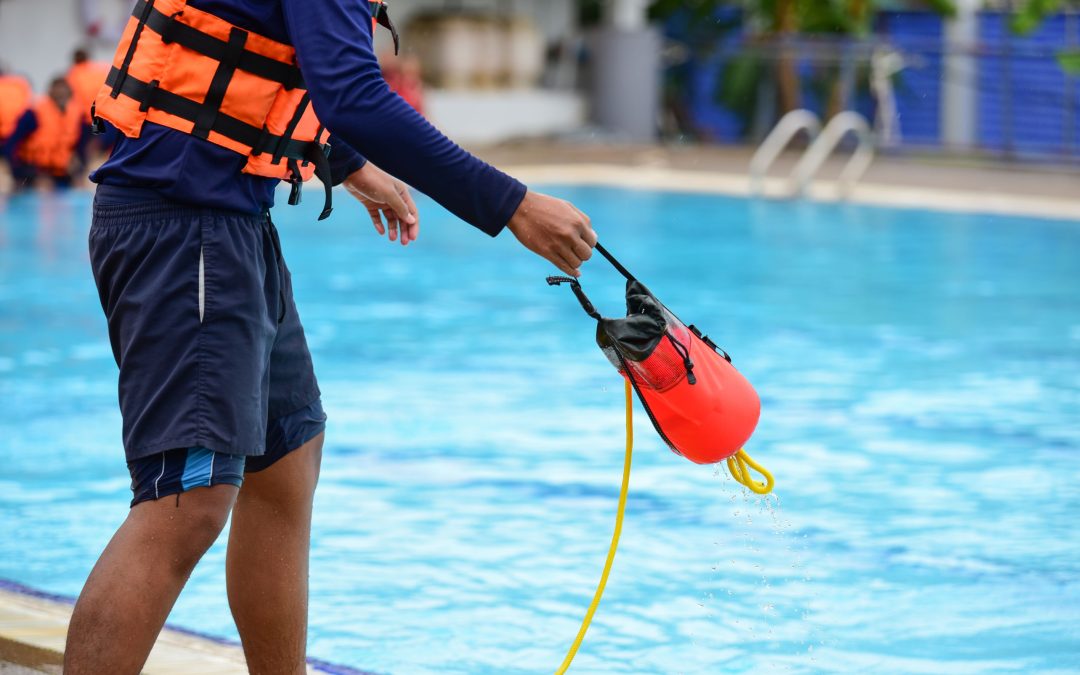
700	405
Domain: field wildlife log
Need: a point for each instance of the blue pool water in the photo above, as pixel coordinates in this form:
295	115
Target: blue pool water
920	374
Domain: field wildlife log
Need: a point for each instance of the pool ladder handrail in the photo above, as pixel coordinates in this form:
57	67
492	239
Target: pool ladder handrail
824	143
777	141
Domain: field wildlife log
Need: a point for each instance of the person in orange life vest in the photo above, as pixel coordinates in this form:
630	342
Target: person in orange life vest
220	403
48	139
15	97
404	77
85	77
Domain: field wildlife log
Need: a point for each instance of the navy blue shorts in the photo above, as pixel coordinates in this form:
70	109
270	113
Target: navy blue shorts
203	326
175	471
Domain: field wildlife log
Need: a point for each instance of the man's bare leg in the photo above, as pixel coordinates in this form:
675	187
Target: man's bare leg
136	580
267	561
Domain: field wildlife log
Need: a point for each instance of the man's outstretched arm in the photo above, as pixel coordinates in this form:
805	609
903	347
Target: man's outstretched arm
334	48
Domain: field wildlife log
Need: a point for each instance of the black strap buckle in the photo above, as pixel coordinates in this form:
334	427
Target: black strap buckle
296	191
148	100
296	181
97	125
168	33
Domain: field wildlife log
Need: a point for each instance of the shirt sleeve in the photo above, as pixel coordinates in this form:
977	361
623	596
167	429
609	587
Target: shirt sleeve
334	48
343	160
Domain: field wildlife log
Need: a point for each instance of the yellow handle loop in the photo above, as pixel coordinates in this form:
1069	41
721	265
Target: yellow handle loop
740	464
614	537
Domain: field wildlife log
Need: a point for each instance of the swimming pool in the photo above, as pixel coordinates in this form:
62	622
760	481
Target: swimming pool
920	375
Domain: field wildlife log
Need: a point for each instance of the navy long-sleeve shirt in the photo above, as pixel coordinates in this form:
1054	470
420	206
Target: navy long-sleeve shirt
334	49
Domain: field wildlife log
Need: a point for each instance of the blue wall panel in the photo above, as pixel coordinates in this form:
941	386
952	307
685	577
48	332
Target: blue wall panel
1023	98
1026	105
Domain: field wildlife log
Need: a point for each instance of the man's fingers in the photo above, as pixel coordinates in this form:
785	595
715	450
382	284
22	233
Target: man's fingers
392	221
409	233
590	237
567	262
397	202
376	219
584	218
582	250
409	203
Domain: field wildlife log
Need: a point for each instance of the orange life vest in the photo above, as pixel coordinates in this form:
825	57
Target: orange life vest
52	145
194	72
15	96
85	80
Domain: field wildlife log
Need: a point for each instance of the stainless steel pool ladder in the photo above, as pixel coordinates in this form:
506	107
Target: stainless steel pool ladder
823	143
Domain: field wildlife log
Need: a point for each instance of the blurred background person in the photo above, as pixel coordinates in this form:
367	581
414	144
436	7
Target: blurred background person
86	77
15	97
403	74
48	141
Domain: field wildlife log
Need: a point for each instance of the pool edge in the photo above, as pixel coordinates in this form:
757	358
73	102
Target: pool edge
738	185
33	628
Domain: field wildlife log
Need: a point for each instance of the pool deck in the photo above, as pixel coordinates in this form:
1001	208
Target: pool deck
902	181
33	627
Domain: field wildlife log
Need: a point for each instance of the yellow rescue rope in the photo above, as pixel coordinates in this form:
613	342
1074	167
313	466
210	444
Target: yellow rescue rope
739	464
614	537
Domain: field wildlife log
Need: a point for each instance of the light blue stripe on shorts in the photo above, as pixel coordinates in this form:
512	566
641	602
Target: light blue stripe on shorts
198	468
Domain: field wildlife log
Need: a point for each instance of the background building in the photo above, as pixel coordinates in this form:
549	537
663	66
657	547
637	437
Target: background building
990	78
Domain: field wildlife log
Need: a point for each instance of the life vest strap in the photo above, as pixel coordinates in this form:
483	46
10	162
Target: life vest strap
322	171
149	95
259	139
282	144
381	17
215	95
142	13
174	31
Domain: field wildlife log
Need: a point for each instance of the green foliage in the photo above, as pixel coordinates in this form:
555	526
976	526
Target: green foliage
700	10
1031	14
738	83
1069	62
745	74
943	7
847	17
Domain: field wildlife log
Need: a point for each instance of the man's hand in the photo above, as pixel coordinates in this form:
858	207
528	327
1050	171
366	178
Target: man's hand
385	197
554	229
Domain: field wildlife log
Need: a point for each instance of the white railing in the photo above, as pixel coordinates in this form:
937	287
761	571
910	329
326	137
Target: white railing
824	145
778	139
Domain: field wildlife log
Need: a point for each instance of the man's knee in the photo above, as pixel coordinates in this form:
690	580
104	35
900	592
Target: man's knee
187	523
290	481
